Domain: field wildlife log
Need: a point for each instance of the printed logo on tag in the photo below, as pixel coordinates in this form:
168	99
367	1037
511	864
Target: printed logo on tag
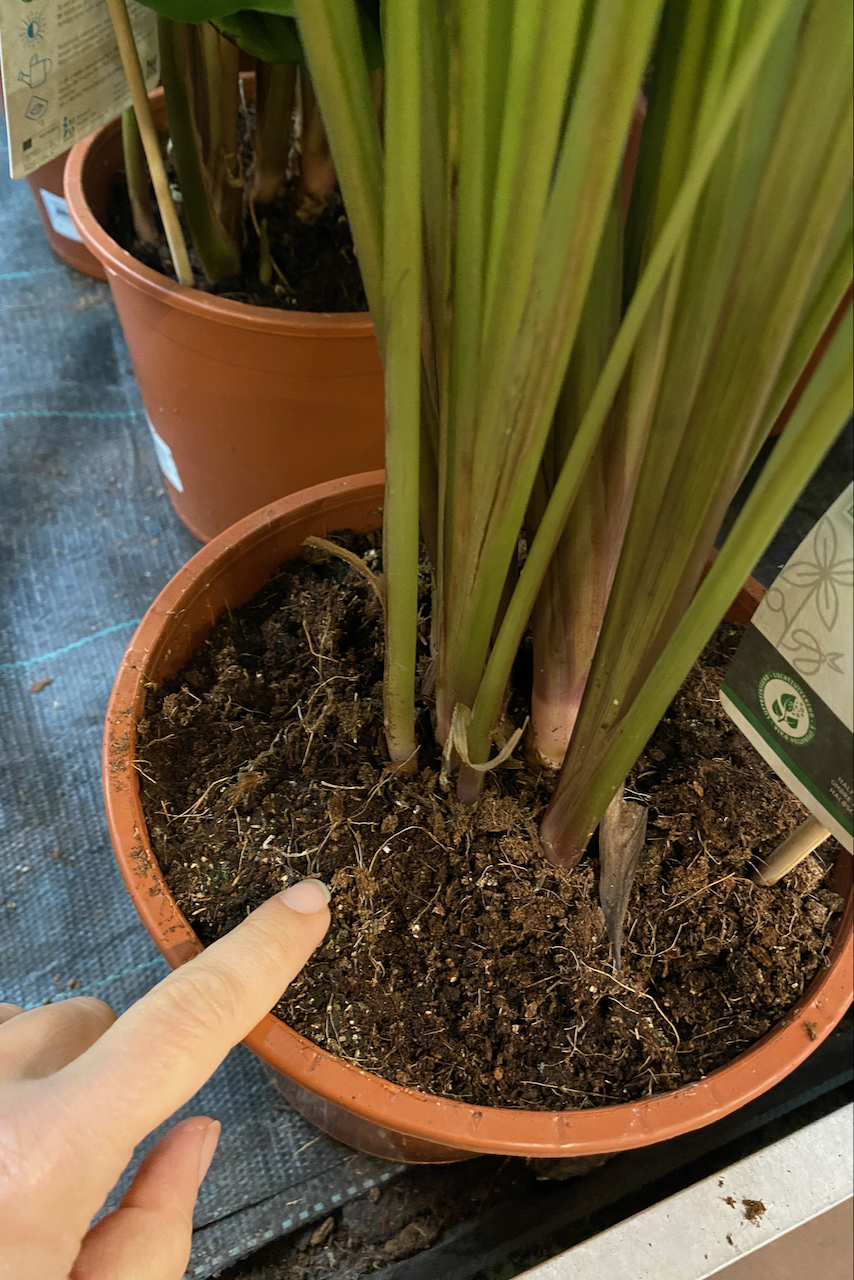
787	707
790	686
164	458
58	215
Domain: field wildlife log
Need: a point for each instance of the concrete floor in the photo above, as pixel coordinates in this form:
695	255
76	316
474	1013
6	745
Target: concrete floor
822	1249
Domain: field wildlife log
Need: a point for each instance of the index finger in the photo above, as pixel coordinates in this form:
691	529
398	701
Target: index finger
164	1048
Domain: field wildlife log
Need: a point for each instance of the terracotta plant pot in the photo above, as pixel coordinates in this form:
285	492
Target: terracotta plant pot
361	1109
246	404
62	235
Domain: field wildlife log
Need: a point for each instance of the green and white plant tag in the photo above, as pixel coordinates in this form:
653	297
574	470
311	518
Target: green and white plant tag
790	687
62	74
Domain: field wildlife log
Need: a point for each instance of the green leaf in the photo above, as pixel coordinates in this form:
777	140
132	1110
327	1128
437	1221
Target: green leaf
777	709
267	36
788	701
268	29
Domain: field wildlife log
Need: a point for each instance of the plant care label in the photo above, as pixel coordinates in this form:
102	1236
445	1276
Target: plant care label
790	687
164	456
62	74
58	215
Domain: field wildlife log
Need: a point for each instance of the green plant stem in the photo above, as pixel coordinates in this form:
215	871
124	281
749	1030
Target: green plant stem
675	518
658	384
318	178
519	399
221	88
129	55
833	285
491	689
570	606
329	30
217	251
275	92
500	250
402	308
817	420
136	172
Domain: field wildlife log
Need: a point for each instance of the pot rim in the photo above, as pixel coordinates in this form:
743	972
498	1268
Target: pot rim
85	154
456	1124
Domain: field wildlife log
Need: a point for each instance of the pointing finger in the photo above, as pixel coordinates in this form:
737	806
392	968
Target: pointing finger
156	1056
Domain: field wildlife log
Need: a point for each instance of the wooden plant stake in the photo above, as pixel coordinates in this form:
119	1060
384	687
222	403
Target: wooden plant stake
150	141
797	846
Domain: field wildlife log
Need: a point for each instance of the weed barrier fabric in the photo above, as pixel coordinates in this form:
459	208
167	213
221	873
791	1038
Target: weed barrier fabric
87	539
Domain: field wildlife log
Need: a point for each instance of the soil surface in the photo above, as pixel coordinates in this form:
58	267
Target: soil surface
458	961
317	267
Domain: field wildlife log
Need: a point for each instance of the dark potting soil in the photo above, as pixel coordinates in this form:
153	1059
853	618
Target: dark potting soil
317	267
458	961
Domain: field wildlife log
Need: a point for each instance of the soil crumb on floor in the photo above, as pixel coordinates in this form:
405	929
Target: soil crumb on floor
458	961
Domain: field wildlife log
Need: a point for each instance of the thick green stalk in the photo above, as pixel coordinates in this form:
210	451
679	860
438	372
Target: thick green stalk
435	329
329	30
217	251
676	226
402	308
511	442
221	86
482	46
673	525
136	173
833	284
275	90
821	413
804	183
568	613
318	178
589	549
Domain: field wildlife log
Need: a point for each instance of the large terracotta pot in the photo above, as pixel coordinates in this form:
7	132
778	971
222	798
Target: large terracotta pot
246	404
359	1108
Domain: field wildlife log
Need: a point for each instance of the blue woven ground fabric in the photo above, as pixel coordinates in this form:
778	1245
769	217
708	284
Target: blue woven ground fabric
87	539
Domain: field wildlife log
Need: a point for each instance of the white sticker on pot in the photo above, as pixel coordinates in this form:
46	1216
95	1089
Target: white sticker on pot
58	215
164	458
62	74
790	686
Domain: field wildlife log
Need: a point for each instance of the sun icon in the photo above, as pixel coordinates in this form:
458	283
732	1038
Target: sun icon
32	31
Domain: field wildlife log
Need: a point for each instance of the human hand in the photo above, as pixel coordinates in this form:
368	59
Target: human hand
79	1088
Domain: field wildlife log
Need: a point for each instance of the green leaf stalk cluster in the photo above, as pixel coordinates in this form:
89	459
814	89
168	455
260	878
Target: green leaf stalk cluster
200	46
579	381
600	240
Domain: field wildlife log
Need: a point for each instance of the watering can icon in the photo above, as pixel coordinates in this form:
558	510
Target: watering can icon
38	72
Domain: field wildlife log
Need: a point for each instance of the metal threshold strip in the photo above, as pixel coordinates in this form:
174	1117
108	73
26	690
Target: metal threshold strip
700	1231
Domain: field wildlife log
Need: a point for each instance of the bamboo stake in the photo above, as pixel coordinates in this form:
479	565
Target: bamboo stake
150	141
803	840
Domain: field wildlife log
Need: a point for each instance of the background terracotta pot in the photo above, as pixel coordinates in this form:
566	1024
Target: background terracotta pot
47	187
359	1108
62	235
246	403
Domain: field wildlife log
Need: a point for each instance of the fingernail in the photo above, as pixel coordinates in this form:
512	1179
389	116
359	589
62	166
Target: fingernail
208	1148
308	897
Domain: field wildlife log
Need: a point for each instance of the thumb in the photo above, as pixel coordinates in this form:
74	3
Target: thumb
149	1236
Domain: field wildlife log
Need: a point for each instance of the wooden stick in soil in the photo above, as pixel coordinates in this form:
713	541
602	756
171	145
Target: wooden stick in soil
807	837
150	141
